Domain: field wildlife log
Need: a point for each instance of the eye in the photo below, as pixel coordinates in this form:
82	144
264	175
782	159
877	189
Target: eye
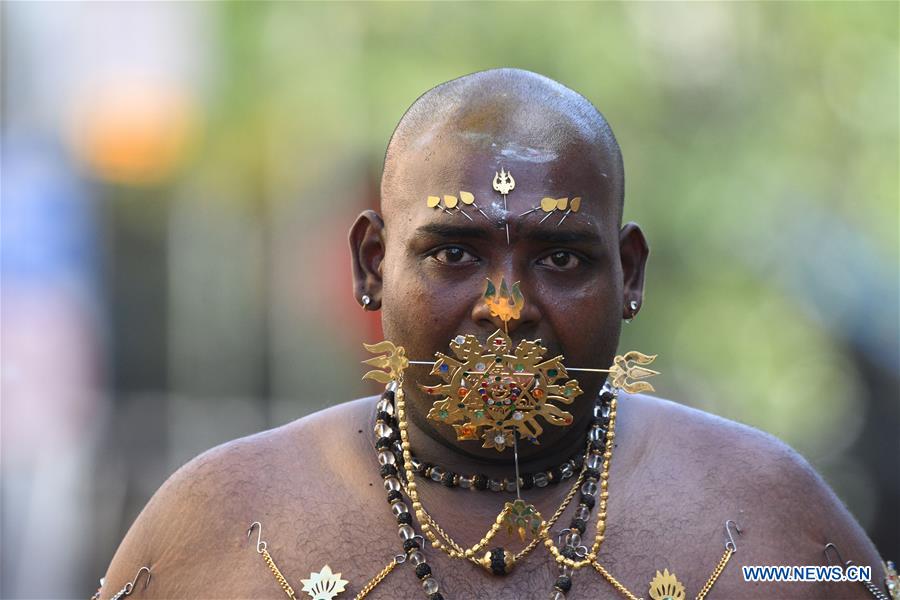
560	260
453	255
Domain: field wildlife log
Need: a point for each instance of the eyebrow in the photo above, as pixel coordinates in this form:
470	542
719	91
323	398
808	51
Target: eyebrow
449	231
544	235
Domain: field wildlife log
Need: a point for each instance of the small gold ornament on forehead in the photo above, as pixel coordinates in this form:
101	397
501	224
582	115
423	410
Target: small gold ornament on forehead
504	183
452	204
551	205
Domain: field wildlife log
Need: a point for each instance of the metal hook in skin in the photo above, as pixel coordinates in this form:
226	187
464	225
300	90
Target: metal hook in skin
831	546
260	545
129	587
730	545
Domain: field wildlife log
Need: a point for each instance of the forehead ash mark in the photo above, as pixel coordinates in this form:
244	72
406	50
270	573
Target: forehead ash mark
508	150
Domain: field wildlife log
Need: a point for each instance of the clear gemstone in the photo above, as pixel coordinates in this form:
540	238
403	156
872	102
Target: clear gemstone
557	595
500	439
573	539
494	485
386	457
430	585
392	484
566	470
437	473
385	406
459	339
597	434
566	570
416	557
406	532
509	485
465	482
594	461
399	507
541	479
382	430
518	416
589	488
391	386
416	464
582	512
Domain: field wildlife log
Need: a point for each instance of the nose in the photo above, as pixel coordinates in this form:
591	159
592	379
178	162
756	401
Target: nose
490	319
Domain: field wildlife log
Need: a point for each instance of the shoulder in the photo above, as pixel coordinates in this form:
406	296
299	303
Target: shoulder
239	482
752	477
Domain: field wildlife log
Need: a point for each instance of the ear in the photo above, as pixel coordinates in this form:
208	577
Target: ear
367	252
633	252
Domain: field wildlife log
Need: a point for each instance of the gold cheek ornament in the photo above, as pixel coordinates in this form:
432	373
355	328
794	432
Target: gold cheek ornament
496	392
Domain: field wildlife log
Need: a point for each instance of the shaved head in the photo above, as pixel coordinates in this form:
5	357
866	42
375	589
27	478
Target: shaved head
508	113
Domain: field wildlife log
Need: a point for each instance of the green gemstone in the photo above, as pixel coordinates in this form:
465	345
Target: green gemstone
552	372
443	414
520	367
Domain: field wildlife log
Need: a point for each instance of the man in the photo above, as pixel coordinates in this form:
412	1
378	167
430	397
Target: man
677	475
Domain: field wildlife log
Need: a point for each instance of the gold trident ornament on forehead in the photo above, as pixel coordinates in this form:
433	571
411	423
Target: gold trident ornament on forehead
504	183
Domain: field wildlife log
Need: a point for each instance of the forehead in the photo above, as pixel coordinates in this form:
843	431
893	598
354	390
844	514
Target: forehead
447	162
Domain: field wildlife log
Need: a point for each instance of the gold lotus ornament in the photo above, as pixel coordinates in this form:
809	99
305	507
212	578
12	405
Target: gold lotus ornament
324	585
665	586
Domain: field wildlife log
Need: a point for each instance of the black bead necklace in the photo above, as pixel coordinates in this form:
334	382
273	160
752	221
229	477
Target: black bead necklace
388	444
480	482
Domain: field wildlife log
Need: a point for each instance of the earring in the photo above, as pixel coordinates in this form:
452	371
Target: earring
633	309
366	301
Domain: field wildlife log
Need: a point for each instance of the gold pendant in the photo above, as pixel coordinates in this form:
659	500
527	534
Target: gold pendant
324	585
665	586
522	518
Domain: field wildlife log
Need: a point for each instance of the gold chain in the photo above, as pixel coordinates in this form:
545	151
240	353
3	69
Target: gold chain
613	581
456	551
277	573
700	596
290	591
439	538
376	580
601	510
715	574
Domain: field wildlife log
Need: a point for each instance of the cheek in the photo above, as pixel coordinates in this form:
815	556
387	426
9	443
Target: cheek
418	313
586	320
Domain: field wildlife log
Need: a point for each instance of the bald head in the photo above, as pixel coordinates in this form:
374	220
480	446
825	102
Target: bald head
510	115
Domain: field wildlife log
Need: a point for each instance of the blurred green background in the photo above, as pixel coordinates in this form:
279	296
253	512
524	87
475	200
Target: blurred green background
179	179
